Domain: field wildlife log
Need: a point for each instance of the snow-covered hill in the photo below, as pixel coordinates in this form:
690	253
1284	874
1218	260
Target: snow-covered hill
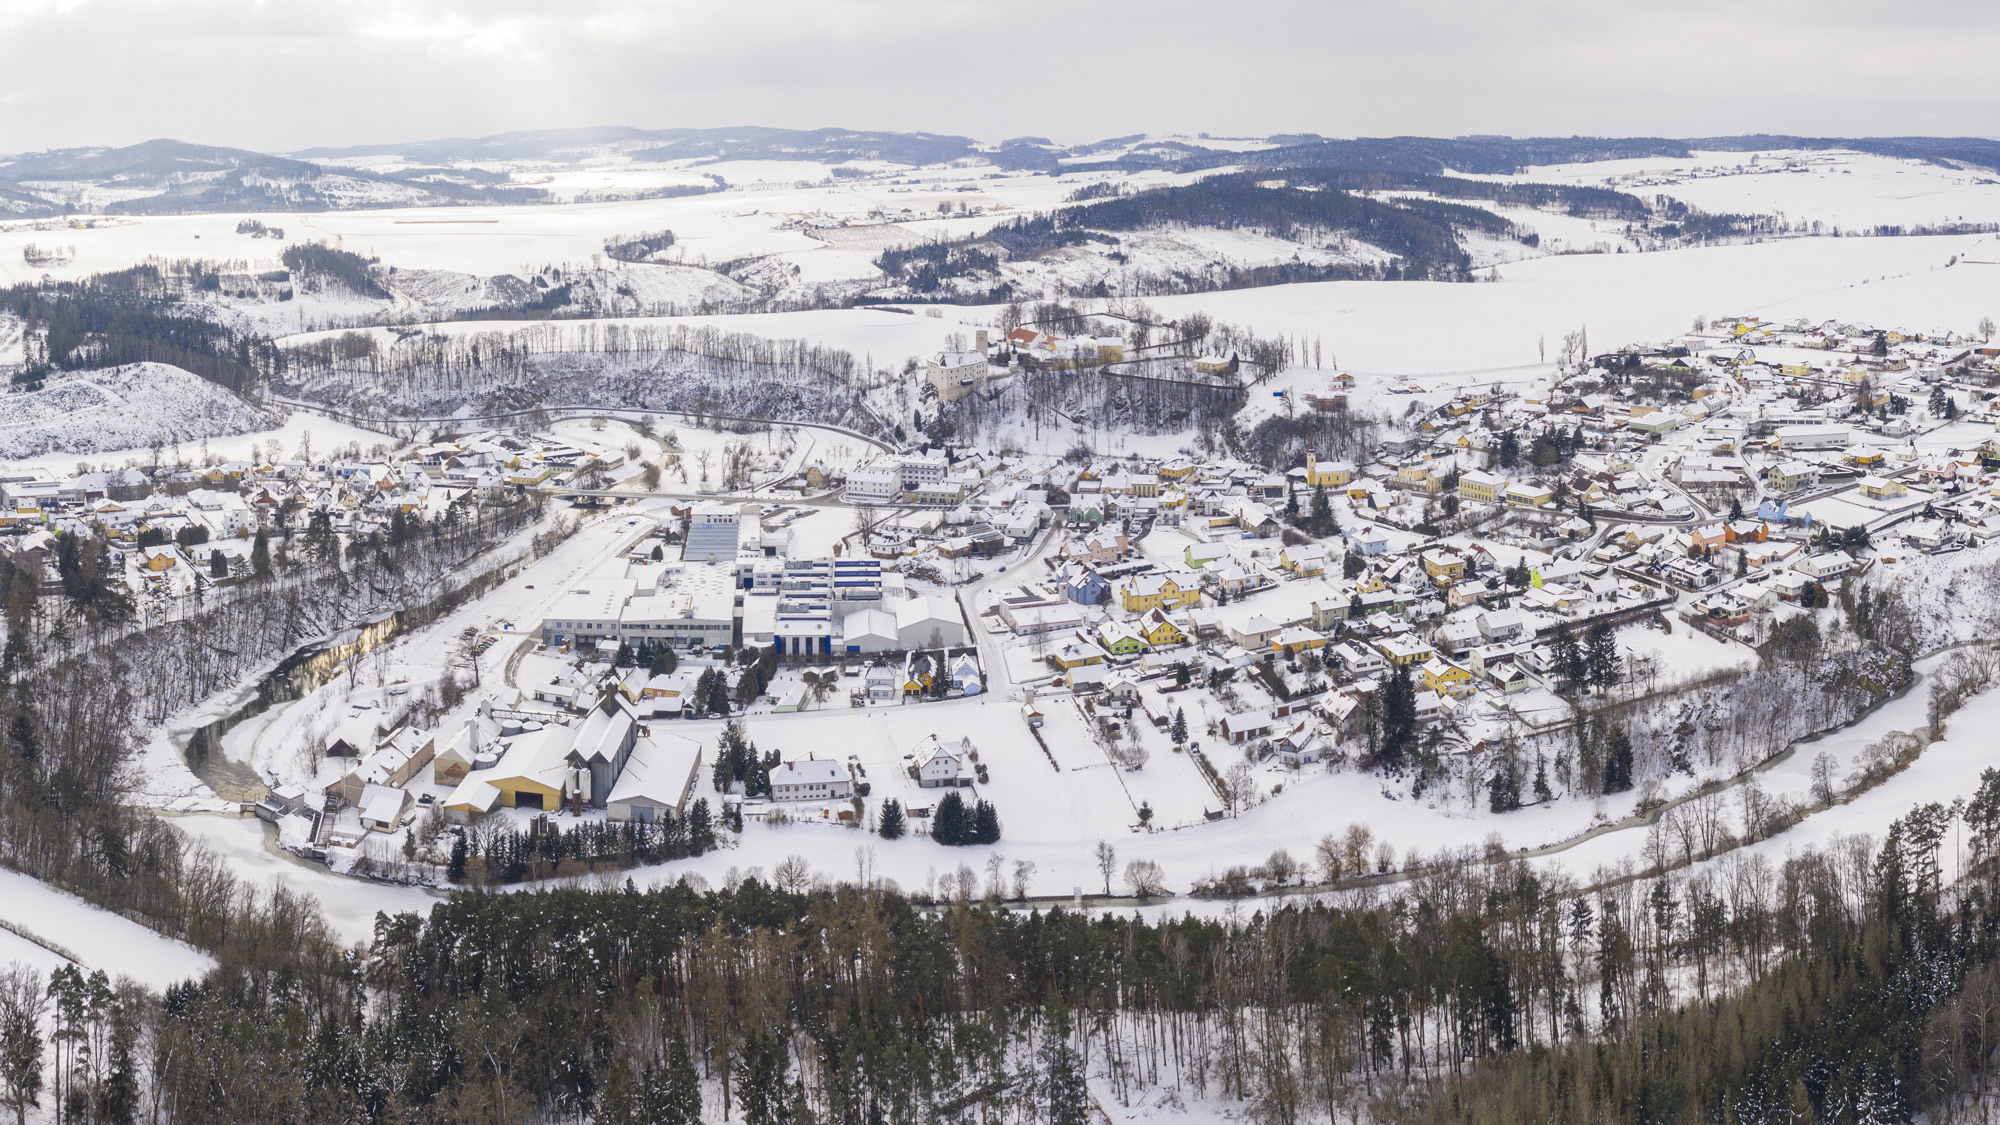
129	407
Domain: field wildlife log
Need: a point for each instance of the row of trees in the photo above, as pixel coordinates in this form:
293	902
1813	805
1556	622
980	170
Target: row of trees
496	854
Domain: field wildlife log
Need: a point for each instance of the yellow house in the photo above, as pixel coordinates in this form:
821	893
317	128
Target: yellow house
1418	474
1212	365
528	474
1295	640
1478	485
1443	567
1446	678
1404	649
1865	456
1303	560
1157	591
1159	631
1075	655
1797	370
159	559
1327	474
1370	583
1883	488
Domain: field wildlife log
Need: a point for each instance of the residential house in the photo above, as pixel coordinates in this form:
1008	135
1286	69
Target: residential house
1120	638
1404	649
940	764
1304	560
1075	654
1157	591
1446	678
1443	567
1295	640
1247	726
1159	630
1883	488
1790	476
811	779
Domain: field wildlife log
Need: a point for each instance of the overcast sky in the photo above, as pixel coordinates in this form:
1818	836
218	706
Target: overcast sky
288	74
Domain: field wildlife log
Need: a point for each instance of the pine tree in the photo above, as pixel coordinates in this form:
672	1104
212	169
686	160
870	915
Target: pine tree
681	1101
985	823
1617	761
1066	1091
948	823
1569	657
891	826
1180	728
1399	719
1323	523
455	871
1504	791
118	1099
1601	655
701	830
260	555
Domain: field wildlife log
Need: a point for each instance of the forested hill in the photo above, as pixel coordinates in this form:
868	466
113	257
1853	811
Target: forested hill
1423	234
1837	991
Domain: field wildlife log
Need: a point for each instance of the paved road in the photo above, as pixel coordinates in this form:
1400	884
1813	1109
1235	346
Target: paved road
992	649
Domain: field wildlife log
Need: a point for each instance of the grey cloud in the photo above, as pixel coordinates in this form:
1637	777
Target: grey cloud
289	75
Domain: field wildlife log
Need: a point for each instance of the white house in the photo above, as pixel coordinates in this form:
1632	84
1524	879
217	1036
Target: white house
940	764
811	779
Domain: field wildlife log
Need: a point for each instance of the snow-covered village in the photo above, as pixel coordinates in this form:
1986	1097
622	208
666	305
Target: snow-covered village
704	624
822	633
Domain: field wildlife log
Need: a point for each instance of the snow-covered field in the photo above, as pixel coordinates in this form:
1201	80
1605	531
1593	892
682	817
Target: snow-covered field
487	240
1499	330
97	937
1849	190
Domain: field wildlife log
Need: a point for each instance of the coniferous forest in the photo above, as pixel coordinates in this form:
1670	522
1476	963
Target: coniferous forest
1839	985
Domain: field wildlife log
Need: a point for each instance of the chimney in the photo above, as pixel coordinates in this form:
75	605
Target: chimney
980	337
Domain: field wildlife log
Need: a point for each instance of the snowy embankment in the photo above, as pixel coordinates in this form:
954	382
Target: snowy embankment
95	937
117	408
